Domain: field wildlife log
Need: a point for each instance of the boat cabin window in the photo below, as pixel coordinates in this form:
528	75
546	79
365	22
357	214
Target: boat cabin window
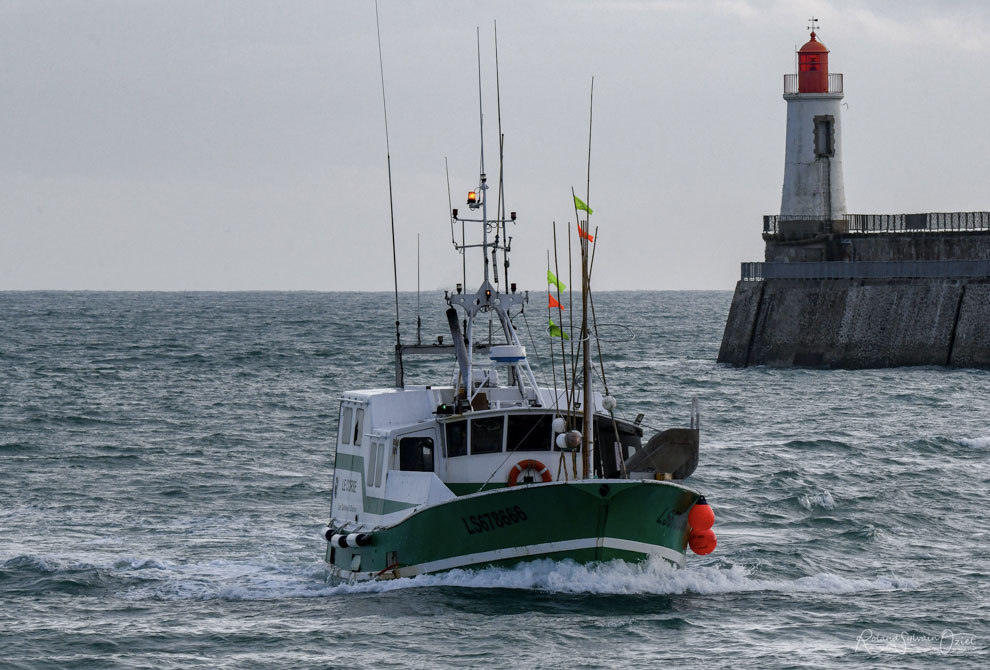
358	425
529	432
344	429
372	464
456	438
416	454
486	435
381	464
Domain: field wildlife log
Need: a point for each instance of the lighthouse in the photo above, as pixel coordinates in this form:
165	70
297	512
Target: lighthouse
813	155
842	290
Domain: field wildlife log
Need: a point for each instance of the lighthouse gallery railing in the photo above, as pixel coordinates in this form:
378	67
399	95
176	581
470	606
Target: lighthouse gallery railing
834	83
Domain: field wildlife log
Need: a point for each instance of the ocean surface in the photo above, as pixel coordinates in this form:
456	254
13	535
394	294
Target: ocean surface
166	463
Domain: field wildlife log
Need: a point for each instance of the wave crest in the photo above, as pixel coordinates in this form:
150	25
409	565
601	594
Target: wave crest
821	500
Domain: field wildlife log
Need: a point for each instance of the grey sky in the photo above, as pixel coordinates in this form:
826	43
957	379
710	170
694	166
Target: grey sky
239	145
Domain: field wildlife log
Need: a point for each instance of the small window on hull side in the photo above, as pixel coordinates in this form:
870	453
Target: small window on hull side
344	429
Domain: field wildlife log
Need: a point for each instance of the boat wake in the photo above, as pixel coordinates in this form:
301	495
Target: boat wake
620	578
144	579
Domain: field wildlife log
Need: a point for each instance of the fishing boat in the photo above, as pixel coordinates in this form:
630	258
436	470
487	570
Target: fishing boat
484	471
493	469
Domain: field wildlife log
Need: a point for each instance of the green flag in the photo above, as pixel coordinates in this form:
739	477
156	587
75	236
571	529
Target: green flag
552	279
579	204
557	331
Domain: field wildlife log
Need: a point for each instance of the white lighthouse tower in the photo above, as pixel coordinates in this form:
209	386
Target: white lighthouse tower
813	159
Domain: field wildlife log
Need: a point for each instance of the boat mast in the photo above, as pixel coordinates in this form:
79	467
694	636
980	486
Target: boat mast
587	398
483	194
587	403
488	298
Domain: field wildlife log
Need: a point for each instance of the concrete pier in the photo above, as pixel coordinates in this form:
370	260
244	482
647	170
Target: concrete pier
910	297
858	323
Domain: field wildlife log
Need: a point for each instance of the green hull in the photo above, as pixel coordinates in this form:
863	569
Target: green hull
587	520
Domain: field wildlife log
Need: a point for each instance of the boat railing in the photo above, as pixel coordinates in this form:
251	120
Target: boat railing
436	349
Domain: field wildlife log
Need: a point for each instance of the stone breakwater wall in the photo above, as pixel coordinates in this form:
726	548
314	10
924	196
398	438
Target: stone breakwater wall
916	246
858	323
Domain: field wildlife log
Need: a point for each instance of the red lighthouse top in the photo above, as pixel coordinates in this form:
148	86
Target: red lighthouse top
813	67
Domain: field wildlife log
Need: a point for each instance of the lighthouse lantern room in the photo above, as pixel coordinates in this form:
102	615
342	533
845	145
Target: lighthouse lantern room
813	67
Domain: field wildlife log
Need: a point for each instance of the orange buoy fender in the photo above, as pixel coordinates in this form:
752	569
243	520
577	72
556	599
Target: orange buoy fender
703	541
701	516
528	464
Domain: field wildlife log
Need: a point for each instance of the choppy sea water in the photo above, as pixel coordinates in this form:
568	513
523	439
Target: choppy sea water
166	462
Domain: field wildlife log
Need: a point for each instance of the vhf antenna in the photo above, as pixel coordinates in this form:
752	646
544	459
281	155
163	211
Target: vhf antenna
391	206
483	187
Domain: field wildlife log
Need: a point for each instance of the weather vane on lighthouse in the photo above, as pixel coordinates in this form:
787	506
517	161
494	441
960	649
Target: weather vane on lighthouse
814	24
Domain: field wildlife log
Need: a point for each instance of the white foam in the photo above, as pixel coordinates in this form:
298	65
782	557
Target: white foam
821	500
976	442
617	577
267	578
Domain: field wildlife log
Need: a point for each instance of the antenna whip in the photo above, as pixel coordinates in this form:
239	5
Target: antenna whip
391	206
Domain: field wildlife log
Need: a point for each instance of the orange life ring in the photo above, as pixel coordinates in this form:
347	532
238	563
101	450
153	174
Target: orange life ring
528	464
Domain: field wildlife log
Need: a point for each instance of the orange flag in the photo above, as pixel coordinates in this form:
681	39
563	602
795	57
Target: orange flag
554	302
585	235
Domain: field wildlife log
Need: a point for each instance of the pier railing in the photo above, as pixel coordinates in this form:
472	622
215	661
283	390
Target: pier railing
834	83
866	270
879	223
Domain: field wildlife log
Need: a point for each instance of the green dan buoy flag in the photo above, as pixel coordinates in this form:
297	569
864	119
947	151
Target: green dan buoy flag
580	204
557	331
552	279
